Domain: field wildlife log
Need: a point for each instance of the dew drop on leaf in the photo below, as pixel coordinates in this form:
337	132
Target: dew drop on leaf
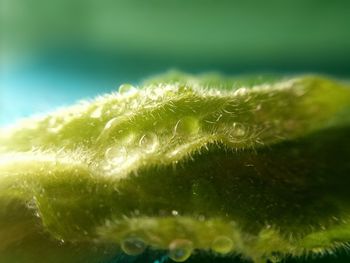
148	142
187	126
180	250
133	246
222	245
125	88
237	131
116	155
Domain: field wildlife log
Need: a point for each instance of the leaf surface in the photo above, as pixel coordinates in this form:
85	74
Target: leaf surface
257	166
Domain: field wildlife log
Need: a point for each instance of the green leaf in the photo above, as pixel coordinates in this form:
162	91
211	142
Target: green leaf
252	166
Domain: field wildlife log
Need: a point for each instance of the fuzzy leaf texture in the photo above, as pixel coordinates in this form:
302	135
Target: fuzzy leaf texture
256	167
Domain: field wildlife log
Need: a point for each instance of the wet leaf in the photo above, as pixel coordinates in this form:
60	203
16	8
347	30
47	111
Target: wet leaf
256	166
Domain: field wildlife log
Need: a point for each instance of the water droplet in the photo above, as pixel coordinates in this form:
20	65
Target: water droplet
237	130
133	246
149	142
187	126
96	113
116	155
125	88
222	245
180	250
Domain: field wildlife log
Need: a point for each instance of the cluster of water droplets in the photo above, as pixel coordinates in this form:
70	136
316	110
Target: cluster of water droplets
184	127
131	98
186	136
179	249
130	148
122	154
170	131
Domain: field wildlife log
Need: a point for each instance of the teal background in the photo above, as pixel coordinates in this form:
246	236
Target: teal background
53	53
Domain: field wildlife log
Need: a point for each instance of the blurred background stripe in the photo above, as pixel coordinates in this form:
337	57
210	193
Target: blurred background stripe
56	52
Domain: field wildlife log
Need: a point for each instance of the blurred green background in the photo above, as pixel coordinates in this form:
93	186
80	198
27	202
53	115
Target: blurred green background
56	52
53	53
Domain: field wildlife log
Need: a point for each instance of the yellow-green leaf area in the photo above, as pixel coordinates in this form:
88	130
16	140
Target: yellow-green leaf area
255	167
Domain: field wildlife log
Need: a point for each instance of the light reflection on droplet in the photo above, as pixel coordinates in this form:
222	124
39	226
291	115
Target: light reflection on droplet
175	213
240	92
111	123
